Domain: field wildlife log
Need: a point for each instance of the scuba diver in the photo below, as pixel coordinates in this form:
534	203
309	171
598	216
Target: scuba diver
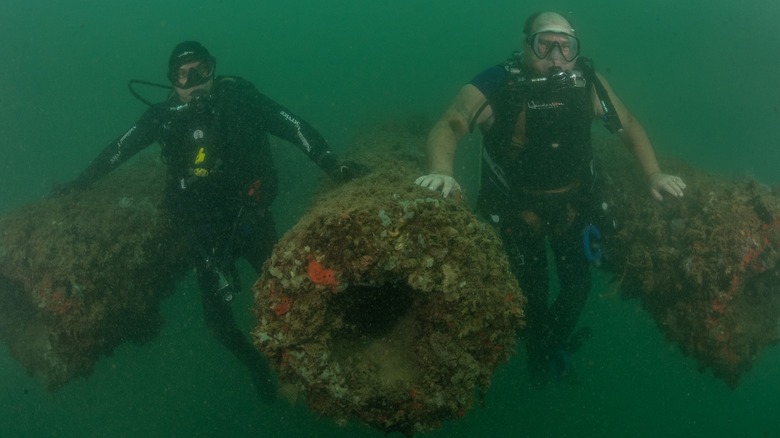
538	185
213	132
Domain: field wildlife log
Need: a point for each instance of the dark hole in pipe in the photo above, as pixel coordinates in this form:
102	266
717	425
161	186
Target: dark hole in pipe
370	312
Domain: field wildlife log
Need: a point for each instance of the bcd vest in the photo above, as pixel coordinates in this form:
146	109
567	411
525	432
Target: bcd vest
540	138
190	147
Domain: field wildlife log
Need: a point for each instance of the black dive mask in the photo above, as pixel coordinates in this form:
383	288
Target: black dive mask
198	75
544	43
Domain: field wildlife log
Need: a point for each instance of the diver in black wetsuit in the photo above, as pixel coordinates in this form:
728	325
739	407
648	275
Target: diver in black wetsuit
213	132
538	184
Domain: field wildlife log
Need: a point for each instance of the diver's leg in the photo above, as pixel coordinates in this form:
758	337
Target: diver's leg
528	260
575	282
219	318
257	237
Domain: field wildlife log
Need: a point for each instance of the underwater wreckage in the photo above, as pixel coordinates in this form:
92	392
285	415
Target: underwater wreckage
704	266
387	303
84	273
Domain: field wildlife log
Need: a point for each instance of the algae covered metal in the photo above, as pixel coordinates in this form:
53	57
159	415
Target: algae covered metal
387	303
705	266
83	273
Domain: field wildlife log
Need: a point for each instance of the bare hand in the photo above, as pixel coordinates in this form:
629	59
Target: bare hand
435	181
671	184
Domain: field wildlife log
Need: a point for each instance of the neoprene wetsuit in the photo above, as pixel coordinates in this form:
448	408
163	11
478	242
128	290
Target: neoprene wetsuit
536	186
220	182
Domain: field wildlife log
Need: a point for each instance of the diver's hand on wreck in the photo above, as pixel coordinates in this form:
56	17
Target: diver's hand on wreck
671	184
436	181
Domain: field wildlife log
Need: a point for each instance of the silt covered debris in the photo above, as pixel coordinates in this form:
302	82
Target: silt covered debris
705	266
387	303
83	273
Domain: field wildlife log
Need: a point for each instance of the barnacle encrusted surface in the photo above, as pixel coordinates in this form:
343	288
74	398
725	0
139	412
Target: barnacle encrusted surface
705	266
388	303
83	273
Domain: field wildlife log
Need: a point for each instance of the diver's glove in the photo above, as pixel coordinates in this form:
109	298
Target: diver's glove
435	181
341	170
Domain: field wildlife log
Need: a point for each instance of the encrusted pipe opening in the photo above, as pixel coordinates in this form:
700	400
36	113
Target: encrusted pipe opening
371	312
379	330
387	303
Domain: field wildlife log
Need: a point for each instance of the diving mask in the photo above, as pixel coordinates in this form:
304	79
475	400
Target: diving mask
186	77
544	43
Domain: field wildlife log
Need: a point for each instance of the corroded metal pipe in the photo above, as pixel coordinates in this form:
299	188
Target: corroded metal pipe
387	303
83	273
705	266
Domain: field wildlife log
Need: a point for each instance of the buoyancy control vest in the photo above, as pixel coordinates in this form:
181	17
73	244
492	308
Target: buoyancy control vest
190	146
217	154
540	139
